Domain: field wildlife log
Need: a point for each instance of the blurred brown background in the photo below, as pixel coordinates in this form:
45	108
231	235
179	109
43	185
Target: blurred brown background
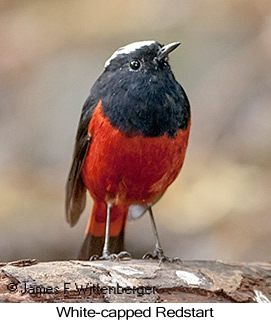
52	52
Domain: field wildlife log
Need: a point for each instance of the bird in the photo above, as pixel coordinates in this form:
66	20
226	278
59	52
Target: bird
130	146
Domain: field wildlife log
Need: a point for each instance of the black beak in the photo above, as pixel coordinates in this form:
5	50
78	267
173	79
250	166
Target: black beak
165	50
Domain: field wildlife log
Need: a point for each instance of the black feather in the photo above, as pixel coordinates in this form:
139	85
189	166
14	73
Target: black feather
148	102
75	189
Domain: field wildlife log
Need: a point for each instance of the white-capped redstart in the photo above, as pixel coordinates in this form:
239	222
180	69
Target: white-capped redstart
130	145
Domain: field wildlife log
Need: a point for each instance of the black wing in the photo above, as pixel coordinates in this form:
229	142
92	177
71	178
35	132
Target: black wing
75	189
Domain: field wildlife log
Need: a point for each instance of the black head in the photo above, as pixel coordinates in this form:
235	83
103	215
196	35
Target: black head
145	56
139	92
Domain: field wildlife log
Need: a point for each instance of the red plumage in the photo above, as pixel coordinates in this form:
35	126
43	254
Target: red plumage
127	170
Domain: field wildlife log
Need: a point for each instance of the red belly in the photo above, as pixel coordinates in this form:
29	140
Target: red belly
130	170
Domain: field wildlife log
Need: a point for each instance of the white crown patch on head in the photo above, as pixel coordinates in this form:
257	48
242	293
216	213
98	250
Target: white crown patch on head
129	49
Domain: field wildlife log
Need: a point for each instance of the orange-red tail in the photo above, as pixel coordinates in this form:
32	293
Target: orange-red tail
95	232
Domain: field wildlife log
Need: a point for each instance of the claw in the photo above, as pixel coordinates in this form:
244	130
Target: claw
148	256
158	254
94	257
122	256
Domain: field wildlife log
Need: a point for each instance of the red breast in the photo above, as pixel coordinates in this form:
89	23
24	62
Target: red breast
130	169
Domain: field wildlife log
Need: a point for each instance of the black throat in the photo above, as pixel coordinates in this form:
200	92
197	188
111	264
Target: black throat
149	104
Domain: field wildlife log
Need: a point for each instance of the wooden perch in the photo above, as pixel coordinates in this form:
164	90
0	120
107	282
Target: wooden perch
134	281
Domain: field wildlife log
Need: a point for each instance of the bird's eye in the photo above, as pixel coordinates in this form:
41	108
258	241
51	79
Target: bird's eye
135	64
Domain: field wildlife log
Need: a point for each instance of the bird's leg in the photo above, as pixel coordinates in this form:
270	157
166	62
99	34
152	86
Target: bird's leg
107	233
158	252
123	255
158	249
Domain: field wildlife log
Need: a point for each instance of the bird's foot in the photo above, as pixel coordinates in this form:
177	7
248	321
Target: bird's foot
158	254
122	256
